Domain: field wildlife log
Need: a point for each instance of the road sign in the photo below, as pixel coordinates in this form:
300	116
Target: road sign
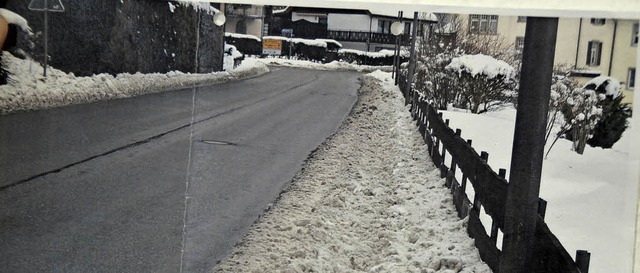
46	5
287	32
271	47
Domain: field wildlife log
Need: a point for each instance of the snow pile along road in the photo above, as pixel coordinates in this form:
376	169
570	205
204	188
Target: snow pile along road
368	200
335	65
28	90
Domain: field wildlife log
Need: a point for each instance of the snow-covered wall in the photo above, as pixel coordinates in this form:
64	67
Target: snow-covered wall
96	36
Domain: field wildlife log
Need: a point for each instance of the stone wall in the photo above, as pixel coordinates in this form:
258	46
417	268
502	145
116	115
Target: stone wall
114	36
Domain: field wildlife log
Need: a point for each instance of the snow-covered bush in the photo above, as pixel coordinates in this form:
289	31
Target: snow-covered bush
435	82
613	122
247	44
483	82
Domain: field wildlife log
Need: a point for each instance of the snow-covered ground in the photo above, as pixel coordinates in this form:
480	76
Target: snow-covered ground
335	65
591	197
368	200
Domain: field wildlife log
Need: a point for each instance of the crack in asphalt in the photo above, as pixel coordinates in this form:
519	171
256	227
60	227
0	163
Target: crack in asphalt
155	137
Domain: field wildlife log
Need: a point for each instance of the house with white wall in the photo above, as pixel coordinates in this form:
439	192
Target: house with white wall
245	19
361	29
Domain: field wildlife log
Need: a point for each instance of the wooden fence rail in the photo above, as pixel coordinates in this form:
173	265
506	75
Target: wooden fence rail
490	193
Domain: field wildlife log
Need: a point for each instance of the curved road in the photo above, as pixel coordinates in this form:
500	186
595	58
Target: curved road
131	186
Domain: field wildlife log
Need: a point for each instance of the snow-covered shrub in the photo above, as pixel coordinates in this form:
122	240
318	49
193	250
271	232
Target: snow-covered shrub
613	122
383	57
581	114
232	57
483	81
435	82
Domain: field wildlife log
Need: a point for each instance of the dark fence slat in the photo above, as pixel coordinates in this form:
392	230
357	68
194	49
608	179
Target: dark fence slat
548	254
488	250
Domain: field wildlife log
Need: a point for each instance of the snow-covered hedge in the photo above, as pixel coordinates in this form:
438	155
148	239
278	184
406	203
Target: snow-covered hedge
481	64
382	57
247	44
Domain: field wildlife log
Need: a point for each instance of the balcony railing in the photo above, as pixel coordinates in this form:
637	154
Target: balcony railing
363	36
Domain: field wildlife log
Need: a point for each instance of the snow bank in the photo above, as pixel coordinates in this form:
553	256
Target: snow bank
335	65
612	85
309	42
241	36
368	200
481	64
27	90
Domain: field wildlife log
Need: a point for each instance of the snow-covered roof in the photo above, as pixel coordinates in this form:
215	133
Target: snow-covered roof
406	14
612	86
241	36
481	64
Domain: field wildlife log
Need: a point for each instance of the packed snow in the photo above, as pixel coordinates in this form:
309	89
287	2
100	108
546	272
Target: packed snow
368	200
28	90
481	64
591	197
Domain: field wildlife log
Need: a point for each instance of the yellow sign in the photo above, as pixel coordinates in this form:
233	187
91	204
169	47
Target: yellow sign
271	47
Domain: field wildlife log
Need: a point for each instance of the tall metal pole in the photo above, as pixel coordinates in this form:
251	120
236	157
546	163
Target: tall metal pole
521	210
46	36
396	57
412	57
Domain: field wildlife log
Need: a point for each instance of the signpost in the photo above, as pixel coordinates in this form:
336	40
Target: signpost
271	47
46	6
288	32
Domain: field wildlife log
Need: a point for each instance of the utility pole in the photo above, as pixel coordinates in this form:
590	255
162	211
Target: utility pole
521	210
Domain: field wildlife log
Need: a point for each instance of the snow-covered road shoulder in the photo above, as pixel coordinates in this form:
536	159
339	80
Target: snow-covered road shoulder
368	200
28	90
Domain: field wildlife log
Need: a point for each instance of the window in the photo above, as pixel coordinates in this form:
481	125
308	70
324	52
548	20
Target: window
631	78
384	26
519	44
598	21
594	50
634	35
483	24
522	19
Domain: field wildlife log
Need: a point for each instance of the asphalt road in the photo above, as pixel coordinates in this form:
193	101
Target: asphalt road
130	186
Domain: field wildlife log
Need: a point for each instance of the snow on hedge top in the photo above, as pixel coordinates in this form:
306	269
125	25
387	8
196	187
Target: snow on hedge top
241	36
380	54
610	84
13	18
331	41
481	64
308	42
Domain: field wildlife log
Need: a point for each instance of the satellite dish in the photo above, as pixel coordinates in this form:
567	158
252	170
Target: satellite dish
219	19
397	28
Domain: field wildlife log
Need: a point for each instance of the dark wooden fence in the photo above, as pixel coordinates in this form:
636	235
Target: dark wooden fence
490	193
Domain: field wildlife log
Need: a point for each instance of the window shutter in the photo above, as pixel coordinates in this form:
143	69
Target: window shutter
599	53
589	53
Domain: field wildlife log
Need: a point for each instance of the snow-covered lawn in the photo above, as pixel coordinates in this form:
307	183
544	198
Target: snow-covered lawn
591	197
368	200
